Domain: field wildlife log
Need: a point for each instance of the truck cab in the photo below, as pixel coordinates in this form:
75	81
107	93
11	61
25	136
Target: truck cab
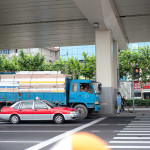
84	95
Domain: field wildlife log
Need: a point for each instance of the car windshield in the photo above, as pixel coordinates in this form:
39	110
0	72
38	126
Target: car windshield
97	87
52	105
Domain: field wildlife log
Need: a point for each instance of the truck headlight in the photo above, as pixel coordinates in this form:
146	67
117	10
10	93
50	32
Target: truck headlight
96	102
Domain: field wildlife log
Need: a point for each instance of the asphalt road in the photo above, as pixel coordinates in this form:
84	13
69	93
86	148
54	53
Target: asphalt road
119	132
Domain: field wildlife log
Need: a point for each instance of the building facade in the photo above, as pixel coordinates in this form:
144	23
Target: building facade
51	53
76	51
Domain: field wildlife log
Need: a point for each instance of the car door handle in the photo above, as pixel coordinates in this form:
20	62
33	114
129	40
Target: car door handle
19	110
34	110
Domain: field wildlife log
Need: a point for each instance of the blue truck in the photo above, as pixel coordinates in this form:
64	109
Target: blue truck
84	95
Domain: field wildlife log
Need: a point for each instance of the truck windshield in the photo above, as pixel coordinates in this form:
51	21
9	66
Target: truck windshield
97	87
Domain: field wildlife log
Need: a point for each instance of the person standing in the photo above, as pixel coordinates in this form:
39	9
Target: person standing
118	99
123	103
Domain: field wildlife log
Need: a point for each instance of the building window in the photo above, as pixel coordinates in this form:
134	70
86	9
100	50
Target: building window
4	51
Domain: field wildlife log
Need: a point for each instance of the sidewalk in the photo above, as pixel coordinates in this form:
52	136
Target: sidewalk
137	112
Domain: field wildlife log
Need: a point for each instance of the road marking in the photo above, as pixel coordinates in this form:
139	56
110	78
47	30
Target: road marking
140	121
132	138
49	131
130	147
131	134
138	126
63	135
20	141
31	131
134	142
121	124
39	125
95	131
136	129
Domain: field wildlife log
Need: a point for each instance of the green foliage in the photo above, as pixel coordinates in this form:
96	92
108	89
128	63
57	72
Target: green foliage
37	62
73	67
59	65
30	62
88	70
137	58
138	102
129	59
7	65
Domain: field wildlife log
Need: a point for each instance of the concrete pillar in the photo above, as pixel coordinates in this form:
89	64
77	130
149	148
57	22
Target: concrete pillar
106	69
115	69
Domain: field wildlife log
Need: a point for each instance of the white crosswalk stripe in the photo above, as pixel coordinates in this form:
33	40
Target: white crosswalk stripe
135	135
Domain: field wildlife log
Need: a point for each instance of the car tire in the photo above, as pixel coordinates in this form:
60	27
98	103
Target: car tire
58	119
83	112
14	119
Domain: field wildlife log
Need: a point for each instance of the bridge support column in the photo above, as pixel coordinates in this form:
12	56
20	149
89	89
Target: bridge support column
106	69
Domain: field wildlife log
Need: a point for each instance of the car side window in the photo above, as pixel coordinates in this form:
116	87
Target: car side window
17	106
39	105
26	105
74	87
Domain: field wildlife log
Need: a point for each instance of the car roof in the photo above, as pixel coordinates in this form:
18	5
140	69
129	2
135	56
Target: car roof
29	100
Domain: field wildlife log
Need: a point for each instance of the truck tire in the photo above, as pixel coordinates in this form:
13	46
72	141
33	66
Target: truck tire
58	119
14	119
83	112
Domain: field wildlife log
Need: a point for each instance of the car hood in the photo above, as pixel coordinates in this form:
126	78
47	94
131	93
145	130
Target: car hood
64	108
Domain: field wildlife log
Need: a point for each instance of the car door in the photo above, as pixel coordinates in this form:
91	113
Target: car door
41	111
25	110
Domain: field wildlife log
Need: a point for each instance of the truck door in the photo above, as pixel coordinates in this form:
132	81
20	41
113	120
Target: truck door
85	93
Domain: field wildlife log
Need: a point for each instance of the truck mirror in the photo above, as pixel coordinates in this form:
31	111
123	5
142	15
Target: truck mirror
100	87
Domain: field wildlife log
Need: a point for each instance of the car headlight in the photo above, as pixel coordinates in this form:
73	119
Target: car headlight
96	102
74	112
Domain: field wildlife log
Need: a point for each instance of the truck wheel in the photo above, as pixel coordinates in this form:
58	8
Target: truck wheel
83	112
58	119
14	119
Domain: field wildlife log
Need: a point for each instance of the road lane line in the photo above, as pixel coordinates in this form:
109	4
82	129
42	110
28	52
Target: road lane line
37	125
61	136
20	141
129	147
95	131
131	134
138	126
140	121
131	142
131	138
121	124
30	131
136	129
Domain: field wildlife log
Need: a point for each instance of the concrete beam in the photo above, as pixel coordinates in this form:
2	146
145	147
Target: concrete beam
105	13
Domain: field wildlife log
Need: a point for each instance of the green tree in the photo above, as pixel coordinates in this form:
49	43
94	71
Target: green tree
2	58
73	67
59	65
89	68
136	58
7	64
30	62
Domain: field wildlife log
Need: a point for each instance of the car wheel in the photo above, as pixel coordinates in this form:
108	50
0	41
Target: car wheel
58	118
14	119
83	112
